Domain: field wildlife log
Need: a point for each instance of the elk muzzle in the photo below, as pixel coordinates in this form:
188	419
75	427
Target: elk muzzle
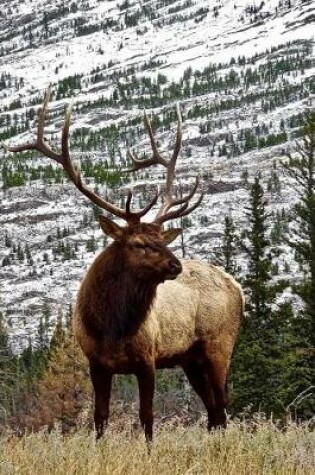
174	269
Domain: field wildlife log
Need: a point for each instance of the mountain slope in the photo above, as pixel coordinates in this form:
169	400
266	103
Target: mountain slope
243	73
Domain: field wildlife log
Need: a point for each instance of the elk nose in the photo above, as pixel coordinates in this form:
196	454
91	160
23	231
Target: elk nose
175	266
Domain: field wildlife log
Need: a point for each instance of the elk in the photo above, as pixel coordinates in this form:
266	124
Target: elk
139	308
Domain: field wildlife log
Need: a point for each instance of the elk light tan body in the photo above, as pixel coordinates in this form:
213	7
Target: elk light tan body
204	304
139	308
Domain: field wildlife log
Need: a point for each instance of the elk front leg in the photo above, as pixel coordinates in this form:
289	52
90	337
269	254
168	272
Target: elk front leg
146	381
102	382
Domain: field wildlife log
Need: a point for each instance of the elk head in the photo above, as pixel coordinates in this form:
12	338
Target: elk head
143	245
143	249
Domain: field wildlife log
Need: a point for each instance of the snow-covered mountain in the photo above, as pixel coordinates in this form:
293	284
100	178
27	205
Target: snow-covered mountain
243	72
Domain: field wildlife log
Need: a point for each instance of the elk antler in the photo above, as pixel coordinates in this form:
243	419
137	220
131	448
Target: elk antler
71	168
164	213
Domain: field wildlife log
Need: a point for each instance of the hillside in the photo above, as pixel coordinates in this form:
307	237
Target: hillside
243	73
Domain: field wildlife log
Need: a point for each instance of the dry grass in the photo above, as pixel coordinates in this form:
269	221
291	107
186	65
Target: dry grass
258	448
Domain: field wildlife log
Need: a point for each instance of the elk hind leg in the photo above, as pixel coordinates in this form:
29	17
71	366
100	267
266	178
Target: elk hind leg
217	369
102	381
198	377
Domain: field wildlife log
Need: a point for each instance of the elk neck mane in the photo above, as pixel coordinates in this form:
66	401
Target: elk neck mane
114	302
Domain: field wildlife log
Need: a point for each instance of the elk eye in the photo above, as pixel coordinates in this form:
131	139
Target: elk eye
138	245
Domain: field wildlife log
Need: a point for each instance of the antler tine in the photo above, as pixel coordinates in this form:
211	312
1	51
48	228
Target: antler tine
137	215
188	197
179	137
128	202
171	203
69	166
179	213
150	205
192	207
42	116
139	164
171	214
157	157
170	174
39	144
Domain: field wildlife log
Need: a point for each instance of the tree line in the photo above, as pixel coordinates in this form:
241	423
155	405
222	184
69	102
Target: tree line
273	367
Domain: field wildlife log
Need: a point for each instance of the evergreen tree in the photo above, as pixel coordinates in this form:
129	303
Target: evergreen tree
228	250
45	24
43	341
256	248
91	244
258	358
68	319
5	350
26	359
59	334
7	369
301	167
42	336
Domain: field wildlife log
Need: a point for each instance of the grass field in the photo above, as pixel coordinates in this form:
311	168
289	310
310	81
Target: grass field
259	447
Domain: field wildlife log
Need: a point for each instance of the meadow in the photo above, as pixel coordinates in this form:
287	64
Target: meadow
246	448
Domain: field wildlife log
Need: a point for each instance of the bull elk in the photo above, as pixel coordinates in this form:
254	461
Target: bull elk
139	308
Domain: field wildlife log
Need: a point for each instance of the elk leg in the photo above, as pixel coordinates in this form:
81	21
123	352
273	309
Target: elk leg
220	396
217	373
146	381
198	378
102	382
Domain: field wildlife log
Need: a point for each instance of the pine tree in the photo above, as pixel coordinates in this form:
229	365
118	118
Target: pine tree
7	369
301	167
229	245
256	247
4	338
42	336
228	250
59	334
43	329
91	244
26	359
257	358
68	319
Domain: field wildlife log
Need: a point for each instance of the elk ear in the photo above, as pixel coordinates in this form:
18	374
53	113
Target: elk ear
110	228
170	234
